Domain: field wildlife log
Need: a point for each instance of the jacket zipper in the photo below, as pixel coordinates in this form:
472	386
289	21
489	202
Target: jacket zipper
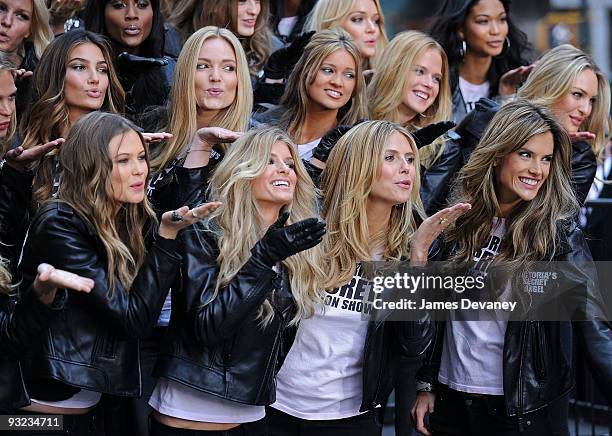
539	351
519	412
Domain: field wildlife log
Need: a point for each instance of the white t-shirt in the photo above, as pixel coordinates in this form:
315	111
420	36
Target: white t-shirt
471	93
180	401
285	25
305	150
472	354
83	399
322	376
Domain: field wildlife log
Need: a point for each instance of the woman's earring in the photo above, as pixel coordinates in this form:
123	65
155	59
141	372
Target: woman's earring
463	48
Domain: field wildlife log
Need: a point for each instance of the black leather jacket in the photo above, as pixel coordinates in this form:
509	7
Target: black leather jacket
439	177
93	343
221	347
21	324
537	355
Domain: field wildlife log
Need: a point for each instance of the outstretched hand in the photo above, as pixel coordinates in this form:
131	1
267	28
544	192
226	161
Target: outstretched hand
511	80
175	220
21	159
281	242
49	279
582	136
431	228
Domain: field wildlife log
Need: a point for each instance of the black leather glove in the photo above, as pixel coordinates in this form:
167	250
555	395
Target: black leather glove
329	141
280	242
281	62
141	63
429	134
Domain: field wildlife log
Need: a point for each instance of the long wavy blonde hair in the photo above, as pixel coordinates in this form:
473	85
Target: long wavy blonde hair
182	107
532	226
296	100
328	14
552	79
85	185
239	222
41	34
352	167
386	88
190	15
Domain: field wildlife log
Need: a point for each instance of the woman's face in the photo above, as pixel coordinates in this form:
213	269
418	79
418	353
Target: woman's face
216	81
274	188
520	174
363	24
7	101
15	23
485	28
246	16
575	107
394	183
130	168
86	80
128	22
422	84
334	82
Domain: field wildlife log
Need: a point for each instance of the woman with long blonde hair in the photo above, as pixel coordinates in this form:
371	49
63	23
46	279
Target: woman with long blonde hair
103	216
362	19
338	372
246	277
326	88
515	375
25	24
247	19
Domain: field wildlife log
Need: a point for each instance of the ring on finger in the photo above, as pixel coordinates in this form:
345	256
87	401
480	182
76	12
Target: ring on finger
194	214
176	218
443	221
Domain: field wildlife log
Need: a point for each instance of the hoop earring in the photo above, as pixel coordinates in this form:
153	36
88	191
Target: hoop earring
463	48
505	49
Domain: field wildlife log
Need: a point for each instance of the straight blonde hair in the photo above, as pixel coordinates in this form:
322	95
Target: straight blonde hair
328	14
182	107
353	166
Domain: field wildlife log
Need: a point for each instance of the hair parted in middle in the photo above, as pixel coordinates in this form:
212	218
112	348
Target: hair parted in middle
48	114
238	233
86	186
295	100
182	107
352	167
553	77
387	86
328	14
385	89
532	232
190	15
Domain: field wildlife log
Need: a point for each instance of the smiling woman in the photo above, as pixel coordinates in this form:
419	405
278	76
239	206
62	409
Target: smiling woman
325	88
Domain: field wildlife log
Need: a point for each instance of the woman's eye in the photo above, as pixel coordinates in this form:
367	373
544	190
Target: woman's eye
103	70
118	5
143	5
547	159
290	165
271	162
577	94
482	21
229	68
23	16
419	71
357	19
202	66
410	159
524	154
327	70
142	157
78	67
350	75
438	79
123	161
389	157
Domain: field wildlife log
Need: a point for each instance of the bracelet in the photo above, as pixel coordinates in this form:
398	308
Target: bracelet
422	386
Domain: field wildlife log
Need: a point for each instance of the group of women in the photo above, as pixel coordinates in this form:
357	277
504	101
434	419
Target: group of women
208	258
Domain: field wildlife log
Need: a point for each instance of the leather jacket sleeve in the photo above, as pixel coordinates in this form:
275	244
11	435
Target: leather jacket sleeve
23	326
62	239
595	334
584	167
222	317
436	180
15	196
